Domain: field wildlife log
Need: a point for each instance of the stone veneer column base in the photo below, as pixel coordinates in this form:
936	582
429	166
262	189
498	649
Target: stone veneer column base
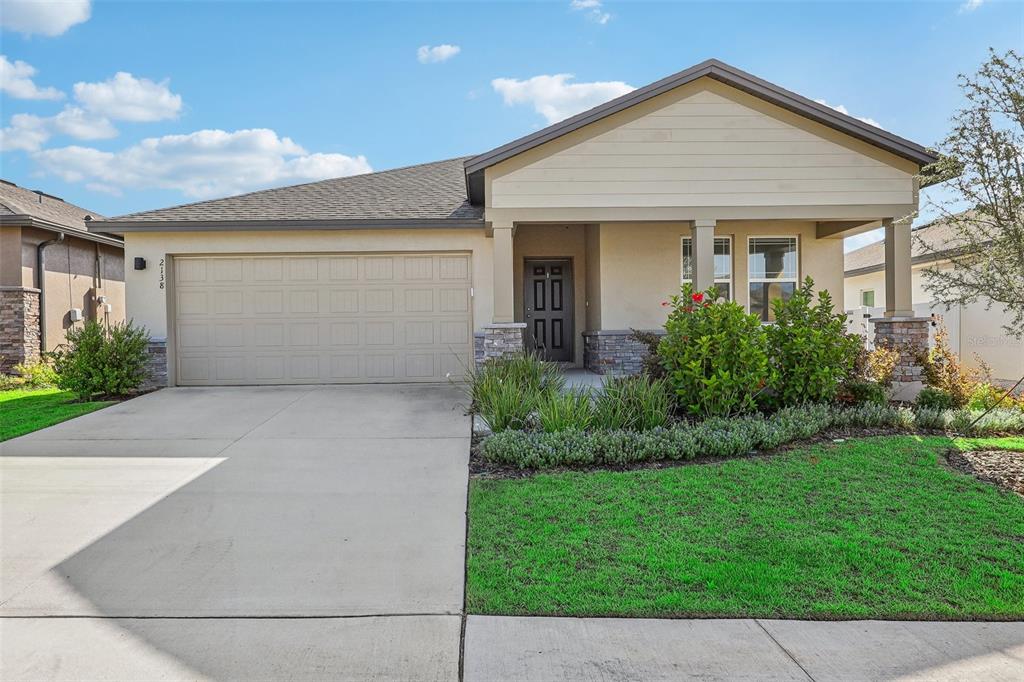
909	336
499	340
19	327
156	365
614	351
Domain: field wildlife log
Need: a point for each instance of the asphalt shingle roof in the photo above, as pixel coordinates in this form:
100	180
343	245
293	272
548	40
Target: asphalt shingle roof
430	191
15	200
938	236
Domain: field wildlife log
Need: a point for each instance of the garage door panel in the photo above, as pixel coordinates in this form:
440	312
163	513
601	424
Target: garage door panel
336	318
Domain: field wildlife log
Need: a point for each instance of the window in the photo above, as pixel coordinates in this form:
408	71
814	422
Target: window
772	273
867	298
723	264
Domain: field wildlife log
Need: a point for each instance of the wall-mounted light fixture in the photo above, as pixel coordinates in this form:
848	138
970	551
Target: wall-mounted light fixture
140	263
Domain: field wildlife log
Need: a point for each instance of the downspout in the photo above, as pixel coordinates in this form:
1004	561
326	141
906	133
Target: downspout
41	285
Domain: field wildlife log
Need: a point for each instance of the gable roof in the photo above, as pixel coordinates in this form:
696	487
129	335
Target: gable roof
427	195
34	208
722	72
938	238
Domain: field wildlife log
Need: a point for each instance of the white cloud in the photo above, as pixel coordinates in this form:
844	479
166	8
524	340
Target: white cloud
127	98
843	110
593	8
26	132
16	81
46	17
438	53
554	97
29	132
970	6
203	164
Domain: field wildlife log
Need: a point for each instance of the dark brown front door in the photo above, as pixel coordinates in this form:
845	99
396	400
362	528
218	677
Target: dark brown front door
548	301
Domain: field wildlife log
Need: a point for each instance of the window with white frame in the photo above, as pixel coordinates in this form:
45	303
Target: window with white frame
723	264
772	272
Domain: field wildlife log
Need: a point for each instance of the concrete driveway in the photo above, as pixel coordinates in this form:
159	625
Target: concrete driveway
237	533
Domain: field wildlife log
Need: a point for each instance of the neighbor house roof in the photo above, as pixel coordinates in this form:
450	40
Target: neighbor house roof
724	73
931	241
34	208
427	195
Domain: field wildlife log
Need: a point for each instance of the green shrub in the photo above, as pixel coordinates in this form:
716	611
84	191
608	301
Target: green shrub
102	360
943	371
860	391
652	366
635	403
935	398
714	354
506	391
986	396
809	347
37	374
998	421
931	418
565	411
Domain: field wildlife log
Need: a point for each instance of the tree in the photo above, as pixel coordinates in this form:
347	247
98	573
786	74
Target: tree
983	162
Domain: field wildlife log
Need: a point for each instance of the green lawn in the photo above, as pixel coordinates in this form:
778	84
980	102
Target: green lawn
25	411
875	527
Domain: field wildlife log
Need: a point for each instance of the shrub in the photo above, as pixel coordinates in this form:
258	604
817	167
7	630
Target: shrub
986	396
568	411
809	346
105	360
860	391
636	403
935	398
652	366
714	354
37	374
942	370
998	421
506	391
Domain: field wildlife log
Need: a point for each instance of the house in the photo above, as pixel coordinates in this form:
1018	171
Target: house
975	333
561	241
54	273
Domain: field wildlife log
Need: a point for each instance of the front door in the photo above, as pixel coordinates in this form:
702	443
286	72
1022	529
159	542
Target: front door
548	302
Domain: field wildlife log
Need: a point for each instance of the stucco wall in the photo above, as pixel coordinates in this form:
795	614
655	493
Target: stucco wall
640	265
702	144
77	272
147	299
555	241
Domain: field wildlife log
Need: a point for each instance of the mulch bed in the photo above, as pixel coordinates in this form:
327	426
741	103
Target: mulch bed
1003	468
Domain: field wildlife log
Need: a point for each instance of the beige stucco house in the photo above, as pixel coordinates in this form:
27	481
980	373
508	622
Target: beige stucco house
54	273
562	240
975	333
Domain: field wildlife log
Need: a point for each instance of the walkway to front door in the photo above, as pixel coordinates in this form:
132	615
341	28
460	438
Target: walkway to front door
548	301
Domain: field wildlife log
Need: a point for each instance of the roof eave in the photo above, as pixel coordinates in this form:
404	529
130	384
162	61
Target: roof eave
23	220
121	226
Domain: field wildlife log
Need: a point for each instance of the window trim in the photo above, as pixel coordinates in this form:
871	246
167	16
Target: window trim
795	280
865	291
728	238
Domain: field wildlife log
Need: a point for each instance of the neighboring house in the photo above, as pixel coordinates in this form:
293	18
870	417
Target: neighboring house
567	238
975	333
81	278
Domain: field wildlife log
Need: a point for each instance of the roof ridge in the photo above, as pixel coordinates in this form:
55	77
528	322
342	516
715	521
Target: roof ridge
301	184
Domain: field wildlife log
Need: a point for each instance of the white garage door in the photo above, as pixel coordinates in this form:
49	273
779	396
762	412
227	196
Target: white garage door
317	319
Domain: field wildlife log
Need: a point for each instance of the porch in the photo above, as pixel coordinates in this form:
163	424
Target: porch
574	292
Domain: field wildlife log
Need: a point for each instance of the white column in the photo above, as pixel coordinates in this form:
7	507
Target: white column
504	280
702	241
898	290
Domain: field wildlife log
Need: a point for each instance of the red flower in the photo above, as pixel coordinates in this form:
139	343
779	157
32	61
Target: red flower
697	297
664	304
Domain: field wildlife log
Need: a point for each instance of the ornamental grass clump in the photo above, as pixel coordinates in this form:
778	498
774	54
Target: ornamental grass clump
633	403
715	355
571	410
506	391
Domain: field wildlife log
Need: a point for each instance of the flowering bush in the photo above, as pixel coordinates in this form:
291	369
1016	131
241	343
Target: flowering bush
714	354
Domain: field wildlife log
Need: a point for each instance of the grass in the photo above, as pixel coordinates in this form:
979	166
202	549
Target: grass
870	528
26	410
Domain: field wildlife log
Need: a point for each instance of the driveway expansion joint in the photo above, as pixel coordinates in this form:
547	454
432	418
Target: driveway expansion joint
784	649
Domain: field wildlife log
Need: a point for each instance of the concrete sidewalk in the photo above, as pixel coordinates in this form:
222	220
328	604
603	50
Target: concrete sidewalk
514	648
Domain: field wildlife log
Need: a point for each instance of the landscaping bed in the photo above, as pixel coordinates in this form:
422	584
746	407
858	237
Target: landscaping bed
867	528
1003	468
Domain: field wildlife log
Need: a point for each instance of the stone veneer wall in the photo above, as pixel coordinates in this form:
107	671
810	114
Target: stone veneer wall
19	326
614	351
908	335
499	340
156	365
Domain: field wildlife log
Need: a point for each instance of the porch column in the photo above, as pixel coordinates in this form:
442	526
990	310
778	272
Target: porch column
503	336
898	290
702	241
504	281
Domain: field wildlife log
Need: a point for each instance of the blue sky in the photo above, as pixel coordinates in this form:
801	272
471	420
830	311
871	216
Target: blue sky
122	107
